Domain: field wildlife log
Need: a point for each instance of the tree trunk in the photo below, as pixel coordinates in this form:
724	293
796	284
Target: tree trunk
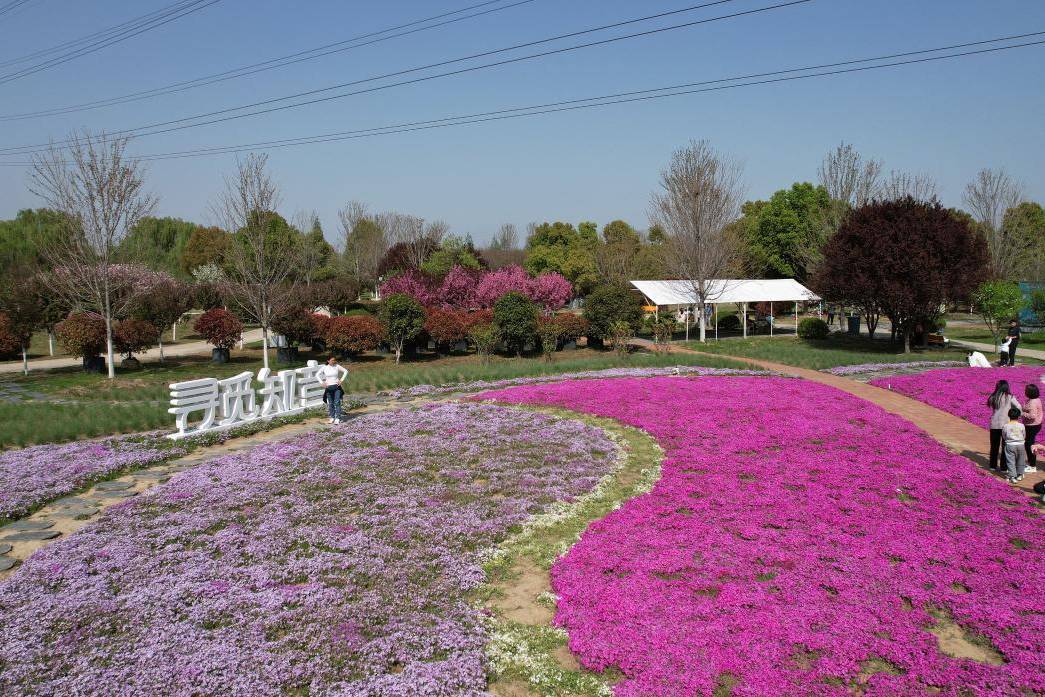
161	347
703	323
109	354
399	351
174	332
265	347
907	340
25	360
50	342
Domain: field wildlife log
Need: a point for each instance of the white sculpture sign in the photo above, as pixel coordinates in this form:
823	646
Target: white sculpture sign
222	404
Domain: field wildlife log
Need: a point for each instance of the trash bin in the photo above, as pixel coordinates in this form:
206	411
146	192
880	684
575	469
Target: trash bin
854	324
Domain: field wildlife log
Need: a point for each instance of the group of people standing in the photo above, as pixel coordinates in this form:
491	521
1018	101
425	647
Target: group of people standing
1014	429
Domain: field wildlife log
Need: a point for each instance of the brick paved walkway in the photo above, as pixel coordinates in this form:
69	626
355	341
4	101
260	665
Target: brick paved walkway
956	434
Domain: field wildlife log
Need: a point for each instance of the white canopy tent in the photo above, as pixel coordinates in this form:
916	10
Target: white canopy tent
727	291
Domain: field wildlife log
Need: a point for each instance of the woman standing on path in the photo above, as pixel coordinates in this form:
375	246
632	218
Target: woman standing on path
1000	401
331	376
1032	415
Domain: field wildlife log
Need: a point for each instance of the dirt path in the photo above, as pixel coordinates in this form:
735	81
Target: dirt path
955	433
192	348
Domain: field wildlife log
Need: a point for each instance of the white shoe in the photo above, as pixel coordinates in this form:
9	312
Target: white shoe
1030	469
331	421
337	421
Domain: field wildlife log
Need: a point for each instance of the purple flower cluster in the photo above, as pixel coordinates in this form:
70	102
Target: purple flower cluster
800	541
962	391
32	476
336	562
479	385
845	370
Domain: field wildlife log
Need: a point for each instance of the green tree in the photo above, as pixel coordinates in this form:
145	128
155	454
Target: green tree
316	254
365	246
158	243
205	246
453	251
786	239
609	303
1024	227
561	248
23	239
997	302
515	317
404	320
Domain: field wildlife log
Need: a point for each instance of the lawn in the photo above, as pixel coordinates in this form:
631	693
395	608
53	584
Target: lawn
38	347
837	350
85	405
981	334
811	543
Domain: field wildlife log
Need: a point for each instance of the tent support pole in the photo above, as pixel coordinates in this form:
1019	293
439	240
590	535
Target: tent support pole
716	320
743	320
772	319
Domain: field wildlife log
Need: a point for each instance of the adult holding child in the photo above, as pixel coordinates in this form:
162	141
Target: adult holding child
1013	334
1000	402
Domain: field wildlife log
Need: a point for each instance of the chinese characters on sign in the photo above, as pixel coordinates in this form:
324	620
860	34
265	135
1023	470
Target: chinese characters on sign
220	404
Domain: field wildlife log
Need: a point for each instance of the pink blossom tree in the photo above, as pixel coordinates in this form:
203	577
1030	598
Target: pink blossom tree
458	289
551	291
410	282
495	284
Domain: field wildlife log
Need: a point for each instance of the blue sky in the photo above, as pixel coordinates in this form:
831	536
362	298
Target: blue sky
947	119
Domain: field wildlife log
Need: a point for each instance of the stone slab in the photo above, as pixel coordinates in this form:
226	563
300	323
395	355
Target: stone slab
29	525
4	548
29	535
113	486
7	562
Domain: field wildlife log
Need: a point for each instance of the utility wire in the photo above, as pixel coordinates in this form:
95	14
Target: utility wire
355	42
180	124
167	18
750	80
15	4
90	37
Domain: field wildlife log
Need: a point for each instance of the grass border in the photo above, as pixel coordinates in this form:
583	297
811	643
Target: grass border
524	653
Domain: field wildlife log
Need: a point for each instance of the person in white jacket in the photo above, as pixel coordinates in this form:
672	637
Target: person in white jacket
331	376
978	360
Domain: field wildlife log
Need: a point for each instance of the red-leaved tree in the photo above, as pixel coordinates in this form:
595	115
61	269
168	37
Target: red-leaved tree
904	259
352	335
219	327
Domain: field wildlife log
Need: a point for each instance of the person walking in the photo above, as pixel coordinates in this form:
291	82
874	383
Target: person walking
1014	334
331	376
1032	416
1015	435
1000	402
1003	352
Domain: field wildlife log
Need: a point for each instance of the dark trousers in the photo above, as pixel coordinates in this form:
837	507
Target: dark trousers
1032	434
997	450
1012	351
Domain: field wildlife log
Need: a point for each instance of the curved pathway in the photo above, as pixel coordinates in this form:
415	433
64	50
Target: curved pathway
953	432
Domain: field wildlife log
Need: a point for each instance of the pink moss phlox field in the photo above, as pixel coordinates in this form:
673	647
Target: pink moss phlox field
334	563
40	473
963	391
798	539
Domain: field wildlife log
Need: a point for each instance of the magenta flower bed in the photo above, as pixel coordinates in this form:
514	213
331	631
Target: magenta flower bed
337	562
798	543
32	476
963	391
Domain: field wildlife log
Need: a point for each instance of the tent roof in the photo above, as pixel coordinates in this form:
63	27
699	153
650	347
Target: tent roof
727	291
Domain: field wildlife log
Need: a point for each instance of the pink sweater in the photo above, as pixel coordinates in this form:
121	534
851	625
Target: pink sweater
1032	412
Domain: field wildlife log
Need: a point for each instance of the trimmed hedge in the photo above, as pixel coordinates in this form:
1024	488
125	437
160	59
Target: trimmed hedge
813	328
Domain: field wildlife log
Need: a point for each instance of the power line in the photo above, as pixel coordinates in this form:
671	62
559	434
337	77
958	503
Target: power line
13	5
719	84
167	18
90	37
133	132
355	42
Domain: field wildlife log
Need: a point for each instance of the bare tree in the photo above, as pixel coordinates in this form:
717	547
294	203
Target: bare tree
261	268
507	238
364	242
988	197
848	177
101	194
920	187
701	195
417	238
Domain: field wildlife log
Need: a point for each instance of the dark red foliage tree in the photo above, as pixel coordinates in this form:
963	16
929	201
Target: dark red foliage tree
904	259
352	335
402	257
446	327
337	293
82	334
132	336
219	327
295	323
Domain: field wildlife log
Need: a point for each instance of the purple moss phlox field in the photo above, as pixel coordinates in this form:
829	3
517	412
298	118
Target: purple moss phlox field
876	367
41	473
422	390
963	391
336	562
799	542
